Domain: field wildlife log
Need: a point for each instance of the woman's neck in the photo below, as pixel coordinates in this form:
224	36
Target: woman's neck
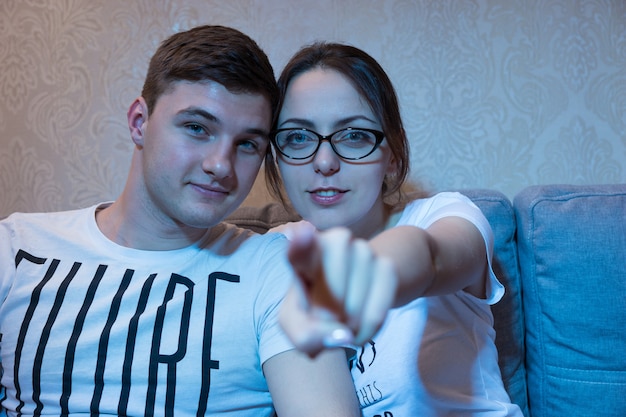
373	224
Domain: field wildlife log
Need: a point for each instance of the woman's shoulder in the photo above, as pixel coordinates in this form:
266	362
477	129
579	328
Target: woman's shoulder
288	229
437	200
425	210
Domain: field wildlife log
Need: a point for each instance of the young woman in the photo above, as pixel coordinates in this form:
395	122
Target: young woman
342	154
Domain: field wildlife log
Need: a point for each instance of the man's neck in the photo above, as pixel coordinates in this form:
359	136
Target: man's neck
137	230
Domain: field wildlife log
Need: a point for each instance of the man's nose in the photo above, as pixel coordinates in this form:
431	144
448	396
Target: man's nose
218	160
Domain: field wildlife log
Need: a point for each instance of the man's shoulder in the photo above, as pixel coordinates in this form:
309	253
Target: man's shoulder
47	219
228	239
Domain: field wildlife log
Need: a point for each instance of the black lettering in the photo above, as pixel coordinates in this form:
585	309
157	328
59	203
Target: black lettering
158	361
369	394
30	311
364	397
70	352
359	362
45	335
130	348
207	363
104	340
169	360
380	394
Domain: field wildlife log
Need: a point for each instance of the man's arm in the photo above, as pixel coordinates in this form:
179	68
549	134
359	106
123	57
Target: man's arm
311	387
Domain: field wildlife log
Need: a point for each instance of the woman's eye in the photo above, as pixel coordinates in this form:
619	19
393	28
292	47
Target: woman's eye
298	138
294	137
355	138
357	135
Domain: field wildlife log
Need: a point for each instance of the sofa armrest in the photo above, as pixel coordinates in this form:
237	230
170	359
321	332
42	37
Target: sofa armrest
572	250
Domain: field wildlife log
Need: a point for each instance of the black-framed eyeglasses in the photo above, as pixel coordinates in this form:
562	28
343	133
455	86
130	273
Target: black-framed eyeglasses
349	143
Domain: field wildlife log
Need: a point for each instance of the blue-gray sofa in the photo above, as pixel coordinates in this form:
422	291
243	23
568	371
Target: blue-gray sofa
560	251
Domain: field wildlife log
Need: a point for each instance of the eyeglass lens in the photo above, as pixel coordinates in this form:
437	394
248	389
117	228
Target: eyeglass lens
347	143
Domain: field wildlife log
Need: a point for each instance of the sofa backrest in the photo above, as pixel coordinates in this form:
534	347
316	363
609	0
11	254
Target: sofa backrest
572	250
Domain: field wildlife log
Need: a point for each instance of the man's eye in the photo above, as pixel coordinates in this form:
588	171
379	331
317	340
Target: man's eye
195	128
251	147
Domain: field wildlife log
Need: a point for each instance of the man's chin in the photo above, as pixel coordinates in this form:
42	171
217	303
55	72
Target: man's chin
207	217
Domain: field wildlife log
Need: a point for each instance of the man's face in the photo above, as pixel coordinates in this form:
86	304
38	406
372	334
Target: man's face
201	148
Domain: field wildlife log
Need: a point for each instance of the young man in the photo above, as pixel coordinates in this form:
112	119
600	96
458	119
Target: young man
150	305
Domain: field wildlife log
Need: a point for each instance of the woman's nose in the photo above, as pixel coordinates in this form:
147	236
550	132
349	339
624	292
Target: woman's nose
325	160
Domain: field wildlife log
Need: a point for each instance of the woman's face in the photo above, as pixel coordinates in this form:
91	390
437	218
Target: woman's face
325	189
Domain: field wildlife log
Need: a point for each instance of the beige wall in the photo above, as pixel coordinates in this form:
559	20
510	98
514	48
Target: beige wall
495	93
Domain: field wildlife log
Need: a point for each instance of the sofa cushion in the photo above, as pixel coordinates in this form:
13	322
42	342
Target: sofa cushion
507	313
262	218
572	249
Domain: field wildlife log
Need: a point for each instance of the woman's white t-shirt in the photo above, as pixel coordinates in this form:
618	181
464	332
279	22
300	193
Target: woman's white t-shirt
436	355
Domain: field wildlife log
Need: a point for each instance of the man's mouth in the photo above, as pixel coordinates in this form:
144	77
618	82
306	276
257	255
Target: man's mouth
211	189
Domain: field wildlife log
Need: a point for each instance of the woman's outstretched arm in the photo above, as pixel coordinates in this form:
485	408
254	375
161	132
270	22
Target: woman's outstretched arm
346	286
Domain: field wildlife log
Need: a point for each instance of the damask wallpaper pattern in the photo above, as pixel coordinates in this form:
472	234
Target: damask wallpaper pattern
495	93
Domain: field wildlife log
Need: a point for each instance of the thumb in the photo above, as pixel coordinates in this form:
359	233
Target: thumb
309	332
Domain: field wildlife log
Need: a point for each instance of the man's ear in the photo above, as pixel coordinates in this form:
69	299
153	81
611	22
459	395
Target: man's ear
137	119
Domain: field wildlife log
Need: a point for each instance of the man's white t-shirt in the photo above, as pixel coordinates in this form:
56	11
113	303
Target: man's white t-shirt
91	327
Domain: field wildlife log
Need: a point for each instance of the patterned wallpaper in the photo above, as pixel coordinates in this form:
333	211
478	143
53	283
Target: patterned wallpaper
495	93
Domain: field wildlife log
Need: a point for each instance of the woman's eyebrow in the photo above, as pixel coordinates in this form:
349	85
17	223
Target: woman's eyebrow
340	123
299	122
348	120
